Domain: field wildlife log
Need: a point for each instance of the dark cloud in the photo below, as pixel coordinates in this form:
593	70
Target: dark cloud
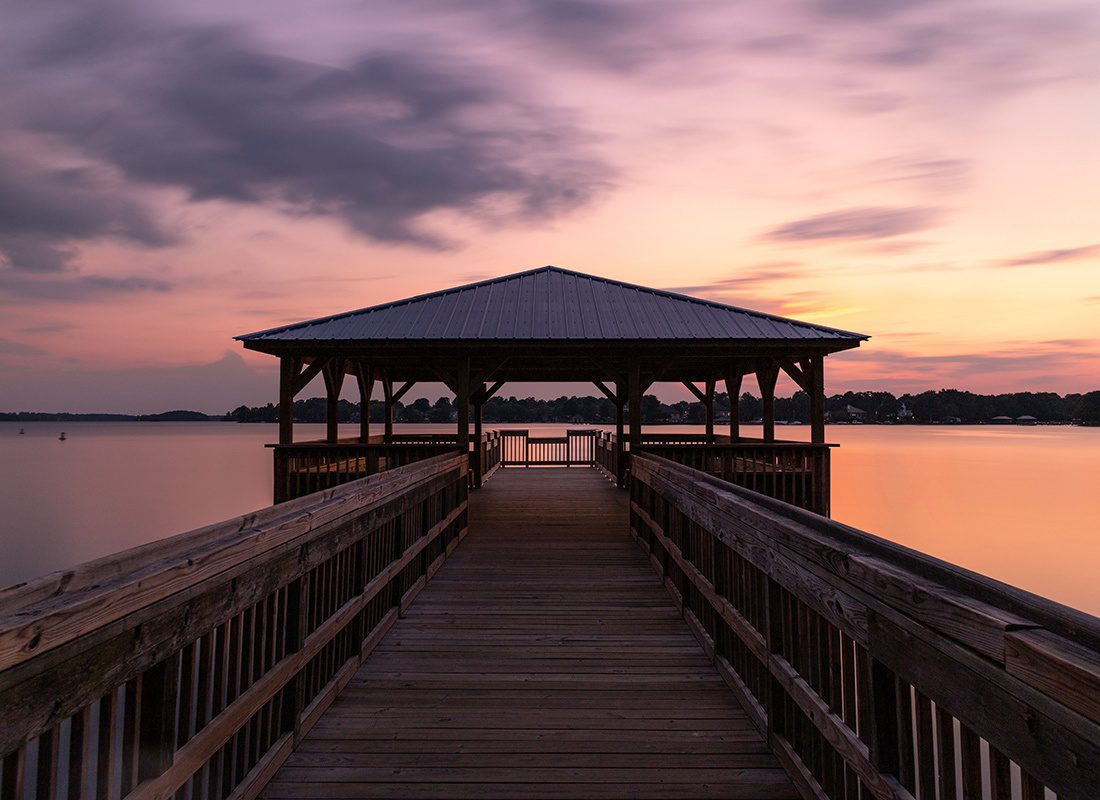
1025	359
932	173
212	387
986	53
44	211
1058	256
783	43
875	222
70	286
866	9
48	327
617	36
748	278
379	144
9	347
918	45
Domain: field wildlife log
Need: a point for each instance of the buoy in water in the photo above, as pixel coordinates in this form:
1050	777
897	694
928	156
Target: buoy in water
62	436
21	431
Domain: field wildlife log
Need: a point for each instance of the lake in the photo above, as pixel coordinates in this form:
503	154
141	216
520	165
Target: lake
1016	503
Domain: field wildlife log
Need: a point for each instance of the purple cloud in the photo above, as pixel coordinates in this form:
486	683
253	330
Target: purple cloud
875	222
1058	256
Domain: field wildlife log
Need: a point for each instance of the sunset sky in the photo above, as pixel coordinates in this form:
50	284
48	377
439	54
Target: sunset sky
924	172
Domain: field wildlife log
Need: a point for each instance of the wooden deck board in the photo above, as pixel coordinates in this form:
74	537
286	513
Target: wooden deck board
543	660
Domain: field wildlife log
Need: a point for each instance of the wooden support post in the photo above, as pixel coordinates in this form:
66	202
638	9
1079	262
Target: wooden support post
620	404
364	376
334	382
288	375
708	409
733	389
478	446
767	372
387	392
462	400
814	369
634	398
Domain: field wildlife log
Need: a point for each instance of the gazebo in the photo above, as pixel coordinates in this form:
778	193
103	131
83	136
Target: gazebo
548	324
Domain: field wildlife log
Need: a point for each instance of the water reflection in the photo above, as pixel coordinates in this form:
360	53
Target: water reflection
1014	503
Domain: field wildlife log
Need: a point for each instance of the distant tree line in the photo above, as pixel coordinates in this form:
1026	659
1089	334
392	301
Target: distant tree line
880	407
167	416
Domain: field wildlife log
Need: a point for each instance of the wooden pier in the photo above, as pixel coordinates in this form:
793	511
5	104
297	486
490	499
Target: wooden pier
393	636
427	616
543	660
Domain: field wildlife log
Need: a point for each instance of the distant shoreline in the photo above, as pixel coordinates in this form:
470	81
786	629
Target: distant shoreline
939	407
719	425
167	416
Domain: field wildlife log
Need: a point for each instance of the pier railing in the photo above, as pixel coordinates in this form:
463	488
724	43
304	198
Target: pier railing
875	671
190	667
308	467
577	448
794	472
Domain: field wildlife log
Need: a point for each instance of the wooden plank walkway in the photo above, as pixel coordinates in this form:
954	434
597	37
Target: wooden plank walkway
543	660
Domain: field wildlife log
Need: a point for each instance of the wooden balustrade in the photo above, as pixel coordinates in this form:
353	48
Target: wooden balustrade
513	448
190	667
685	438
576	448
308	467
875	671
794	472
607	454
485	458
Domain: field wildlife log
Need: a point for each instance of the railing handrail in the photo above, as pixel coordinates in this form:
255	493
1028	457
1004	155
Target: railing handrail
1018	670
1066	620
218	648
49	611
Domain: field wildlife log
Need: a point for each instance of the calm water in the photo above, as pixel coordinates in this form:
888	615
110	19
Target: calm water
1018	504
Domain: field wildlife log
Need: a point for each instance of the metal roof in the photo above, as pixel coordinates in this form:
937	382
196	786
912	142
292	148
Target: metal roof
550	303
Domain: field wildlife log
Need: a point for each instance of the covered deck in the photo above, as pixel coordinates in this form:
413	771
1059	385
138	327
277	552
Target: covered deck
555	325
